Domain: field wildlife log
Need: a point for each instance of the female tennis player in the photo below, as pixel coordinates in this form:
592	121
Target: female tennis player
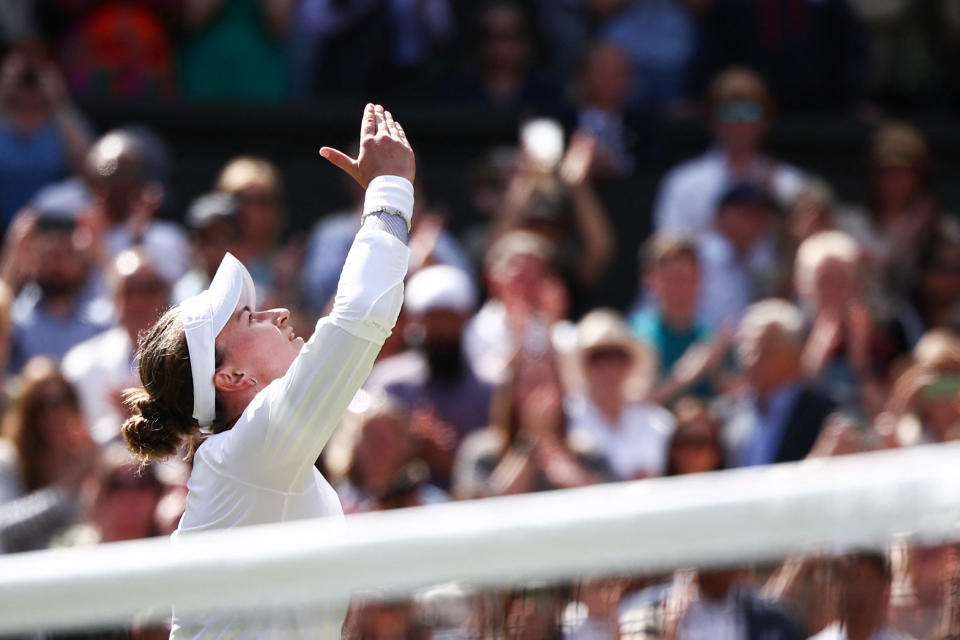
260	401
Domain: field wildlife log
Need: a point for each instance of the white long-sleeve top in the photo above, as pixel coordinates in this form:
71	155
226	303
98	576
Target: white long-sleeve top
262	470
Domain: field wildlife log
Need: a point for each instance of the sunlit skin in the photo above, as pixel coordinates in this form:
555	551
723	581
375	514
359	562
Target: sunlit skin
258	348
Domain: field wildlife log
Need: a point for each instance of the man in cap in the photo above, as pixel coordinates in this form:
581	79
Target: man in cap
434	379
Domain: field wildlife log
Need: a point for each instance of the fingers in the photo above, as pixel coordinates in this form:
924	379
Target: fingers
380	118
368	127
340	160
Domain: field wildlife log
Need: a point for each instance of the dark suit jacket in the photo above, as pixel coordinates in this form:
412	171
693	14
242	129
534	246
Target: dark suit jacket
804	424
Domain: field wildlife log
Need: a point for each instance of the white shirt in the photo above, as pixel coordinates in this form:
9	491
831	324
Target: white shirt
262	470
707	620
164	241
836	632
635	446
689	193
727	282
99	369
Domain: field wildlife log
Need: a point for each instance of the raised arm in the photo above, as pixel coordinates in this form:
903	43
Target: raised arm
283	430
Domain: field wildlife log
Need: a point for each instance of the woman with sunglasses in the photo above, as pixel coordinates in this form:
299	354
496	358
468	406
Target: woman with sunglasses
258	403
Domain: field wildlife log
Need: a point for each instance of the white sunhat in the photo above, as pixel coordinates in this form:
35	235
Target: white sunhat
440	287
204	316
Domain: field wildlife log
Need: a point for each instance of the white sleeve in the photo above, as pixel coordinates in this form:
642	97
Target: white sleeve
283	430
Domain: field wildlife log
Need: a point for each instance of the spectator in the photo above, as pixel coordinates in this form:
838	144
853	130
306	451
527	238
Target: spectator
706	605
434	379
779	416
45	455
126	198
660	37
739	110
631	435
604	86
695	446
526	447
847	352
812	210
552	194
731	279
257	189
212	220
57	308
924	405
122	501
42	137
430	243
689	358
378	461
102	367
233	50
933	298
504	73
901	213
117	50
813	55
516	267
864	600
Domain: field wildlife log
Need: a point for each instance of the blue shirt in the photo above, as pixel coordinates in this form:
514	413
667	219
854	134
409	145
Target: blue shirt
28	162
770	425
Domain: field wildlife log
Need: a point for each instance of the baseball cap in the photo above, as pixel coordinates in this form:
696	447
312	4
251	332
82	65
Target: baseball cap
204	316
439	287
209	208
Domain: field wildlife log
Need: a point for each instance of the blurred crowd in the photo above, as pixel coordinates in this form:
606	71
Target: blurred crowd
772	321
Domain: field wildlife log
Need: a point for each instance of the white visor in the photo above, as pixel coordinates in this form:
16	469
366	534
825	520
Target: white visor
204	316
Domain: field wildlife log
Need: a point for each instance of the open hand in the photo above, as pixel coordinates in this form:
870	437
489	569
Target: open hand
384	149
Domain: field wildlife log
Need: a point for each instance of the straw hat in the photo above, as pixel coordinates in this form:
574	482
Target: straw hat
603	329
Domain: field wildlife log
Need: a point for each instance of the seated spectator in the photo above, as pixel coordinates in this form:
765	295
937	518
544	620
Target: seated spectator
57	308
695	446
526	447
739	109
932	299
378	462
689	359
924	405
780	415
102	367
812	210
864	600
706	605
848	351
604	87
731	278
661	38
631	435
551	193
117	50
434	379
430	243
256	187
122	501
518	311
42	137
504	73
212	220
924	605
126	198
46	454
901	213
233	50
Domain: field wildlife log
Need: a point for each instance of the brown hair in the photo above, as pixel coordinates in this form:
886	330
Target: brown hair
162	410
19	424
664	246
689	412
738	83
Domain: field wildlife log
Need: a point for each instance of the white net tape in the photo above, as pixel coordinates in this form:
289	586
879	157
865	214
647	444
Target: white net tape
712	519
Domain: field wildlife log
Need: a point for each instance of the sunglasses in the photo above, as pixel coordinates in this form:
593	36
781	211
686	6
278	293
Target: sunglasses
740	111
607	354
696	442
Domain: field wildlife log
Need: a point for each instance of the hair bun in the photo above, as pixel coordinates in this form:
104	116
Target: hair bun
145	431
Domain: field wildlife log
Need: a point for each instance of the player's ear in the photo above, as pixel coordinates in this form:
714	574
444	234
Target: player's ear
229	380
